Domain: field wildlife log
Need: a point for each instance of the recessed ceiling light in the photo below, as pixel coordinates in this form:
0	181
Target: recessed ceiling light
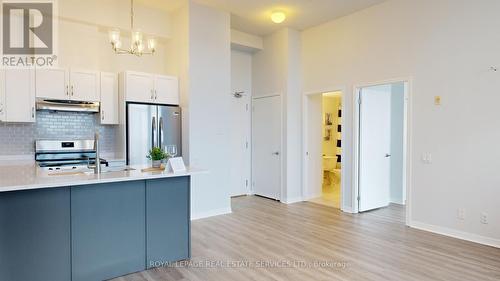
278	17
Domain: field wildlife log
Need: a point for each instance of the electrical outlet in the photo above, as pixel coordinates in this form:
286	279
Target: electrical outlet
484	218
427	157
461	214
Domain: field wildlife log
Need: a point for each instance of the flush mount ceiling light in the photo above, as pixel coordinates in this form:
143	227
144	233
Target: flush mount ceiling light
278	17
137	44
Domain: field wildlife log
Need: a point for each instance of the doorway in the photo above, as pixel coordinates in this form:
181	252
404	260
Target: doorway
266	146
381	145
323	143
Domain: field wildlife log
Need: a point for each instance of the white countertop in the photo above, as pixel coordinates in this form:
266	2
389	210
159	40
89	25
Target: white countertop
18	177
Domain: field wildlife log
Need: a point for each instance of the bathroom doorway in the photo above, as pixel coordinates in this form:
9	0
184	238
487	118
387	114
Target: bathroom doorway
324	148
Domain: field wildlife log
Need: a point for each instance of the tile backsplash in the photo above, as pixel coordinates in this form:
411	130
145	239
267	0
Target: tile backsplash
19	138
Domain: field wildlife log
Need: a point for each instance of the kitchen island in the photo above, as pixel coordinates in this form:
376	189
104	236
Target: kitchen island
86	227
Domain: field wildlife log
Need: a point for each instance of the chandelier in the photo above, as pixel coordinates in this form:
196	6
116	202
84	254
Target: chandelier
137	44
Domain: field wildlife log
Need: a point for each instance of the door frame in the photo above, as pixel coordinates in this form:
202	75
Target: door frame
282	153
305	142
407	145
249	171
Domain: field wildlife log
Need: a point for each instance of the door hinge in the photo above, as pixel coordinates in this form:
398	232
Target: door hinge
359	198
246	183
359	100
246	144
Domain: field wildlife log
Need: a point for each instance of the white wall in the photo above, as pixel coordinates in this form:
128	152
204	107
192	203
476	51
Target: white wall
277	70
397	141
240	123
447	47
245	42
83	36
205	77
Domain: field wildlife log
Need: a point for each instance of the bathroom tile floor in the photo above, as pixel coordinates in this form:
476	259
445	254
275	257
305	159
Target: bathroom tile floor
331	192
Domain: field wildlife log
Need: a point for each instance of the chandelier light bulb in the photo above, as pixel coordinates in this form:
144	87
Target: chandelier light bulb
114	36
136	37
151	44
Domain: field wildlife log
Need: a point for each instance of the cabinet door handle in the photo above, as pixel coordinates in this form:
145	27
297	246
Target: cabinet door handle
67	90
102	115
72	90
152	95
156	95
33	112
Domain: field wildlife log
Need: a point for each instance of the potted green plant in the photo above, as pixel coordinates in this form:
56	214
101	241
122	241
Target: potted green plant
156	155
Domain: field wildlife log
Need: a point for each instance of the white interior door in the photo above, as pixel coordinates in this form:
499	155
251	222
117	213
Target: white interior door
374	147
314	141
240	134
266	147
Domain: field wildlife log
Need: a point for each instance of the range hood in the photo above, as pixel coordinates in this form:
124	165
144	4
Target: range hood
67	105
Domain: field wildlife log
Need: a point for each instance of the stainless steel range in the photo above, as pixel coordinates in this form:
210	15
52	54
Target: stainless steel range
64	155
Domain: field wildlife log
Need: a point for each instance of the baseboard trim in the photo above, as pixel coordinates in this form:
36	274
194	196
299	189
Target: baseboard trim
312	196
347	210
212	213
293	200
456	234
397	201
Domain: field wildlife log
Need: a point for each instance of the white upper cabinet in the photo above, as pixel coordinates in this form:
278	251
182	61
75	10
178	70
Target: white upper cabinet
17	95
84	85
150	88
52	84
166	89
139	87
61	84
109	99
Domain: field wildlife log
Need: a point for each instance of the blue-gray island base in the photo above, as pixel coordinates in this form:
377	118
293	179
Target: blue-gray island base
94	232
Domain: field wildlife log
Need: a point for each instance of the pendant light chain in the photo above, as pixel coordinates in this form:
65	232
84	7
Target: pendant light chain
132	14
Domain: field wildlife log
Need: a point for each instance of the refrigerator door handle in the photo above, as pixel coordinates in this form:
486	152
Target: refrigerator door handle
153	131
160	133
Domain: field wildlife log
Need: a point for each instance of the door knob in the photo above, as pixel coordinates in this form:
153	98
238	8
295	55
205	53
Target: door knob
387	155
276	153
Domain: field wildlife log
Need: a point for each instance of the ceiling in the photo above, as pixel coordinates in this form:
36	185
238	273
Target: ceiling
253	16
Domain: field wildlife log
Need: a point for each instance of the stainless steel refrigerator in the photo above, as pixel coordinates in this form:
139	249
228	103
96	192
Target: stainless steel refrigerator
151	125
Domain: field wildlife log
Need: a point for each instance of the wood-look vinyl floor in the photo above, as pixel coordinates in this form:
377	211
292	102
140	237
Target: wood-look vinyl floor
374	246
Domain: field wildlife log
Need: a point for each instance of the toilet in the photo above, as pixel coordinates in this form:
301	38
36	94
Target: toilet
330	165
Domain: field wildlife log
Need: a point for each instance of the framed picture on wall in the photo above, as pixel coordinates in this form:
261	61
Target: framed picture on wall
328	119
328	134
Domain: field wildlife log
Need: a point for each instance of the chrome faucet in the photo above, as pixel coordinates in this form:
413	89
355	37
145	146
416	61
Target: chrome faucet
97	164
